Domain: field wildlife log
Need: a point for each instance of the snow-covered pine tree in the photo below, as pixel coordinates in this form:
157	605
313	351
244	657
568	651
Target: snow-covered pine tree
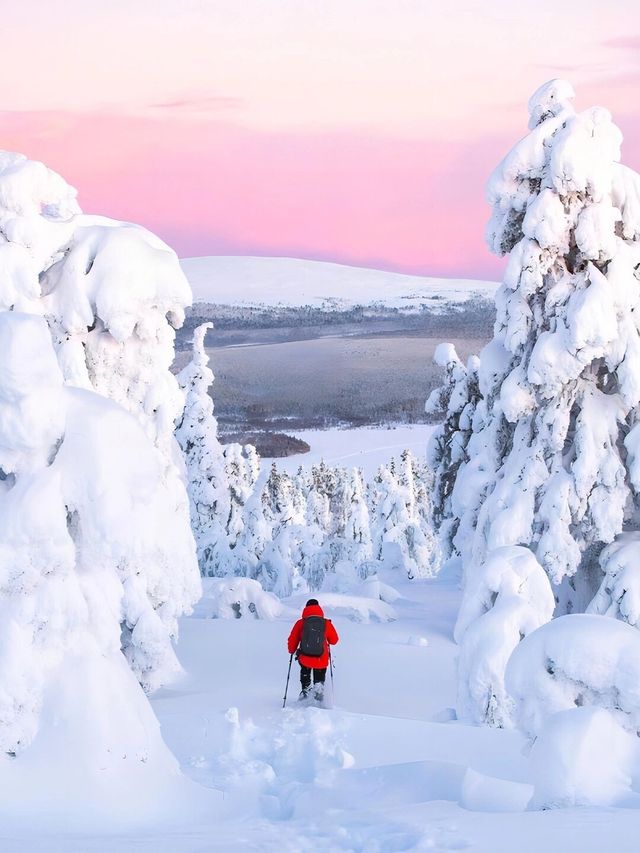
420	546
112	295
207	483
455	402
357	530
390	518
282	563
92	544
320	493
554	460
242	469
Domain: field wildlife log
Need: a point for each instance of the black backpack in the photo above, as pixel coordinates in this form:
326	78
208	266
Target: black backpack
312	640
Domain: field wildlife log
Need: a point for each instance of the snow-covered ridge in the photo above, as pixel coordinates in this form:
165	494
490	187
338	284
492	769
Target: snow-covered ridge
231	280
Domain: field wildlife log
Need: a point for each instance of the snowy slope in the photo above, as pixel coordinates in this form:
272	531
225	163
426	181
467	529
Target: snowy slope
292	282
364	447
386	770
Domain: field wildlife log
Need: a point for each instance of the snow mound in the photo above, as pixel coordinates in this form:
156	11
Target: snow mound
292	282
98	760
574	661
357	608
279	766
582	757
233	598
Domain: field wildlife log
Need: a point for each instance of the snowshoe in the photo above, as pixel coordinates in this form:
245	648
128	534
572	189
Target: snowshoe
318	692
304	695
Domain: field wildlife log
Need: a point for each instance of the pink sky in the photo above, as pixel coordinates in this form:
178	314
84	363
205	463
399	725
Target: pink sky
360	131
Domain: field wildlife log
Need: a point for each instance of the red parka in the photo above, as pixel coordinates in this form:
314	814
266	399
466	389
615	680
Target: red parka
330	637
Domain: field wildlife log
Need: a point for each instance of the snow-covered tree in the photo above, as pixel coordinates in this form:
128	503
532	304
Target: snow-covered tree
455	402
111	294
420	546
402	533
508	597
357	531
389	516
242	468
553	458
207	481
619	593
96	556
319	495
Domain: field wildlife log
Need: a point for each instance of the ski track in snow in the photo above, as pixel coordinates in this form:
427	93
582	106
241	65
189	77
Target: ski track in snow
385	770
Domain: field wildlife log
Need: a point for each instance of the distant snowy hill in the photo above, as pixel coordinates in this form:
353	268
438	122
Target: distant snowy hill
292	282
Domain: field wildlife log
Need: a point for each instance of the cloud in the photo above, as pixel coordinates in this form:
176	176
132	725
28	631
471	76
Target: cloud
624	43
207	103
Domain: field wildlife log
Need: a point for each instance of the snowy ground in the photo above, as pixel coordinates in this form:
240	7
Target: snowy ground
365	447
386	769
291	281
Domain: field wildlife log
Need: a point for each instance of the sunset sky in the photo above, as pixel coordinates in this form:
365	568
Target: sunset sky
360	131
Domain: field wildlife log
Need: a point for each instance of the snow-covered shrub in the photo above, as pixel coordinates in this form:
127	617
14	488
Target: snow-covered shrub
547	464
207	483
233	598
505	599
455	402
619	593
574	661
96	554
582	757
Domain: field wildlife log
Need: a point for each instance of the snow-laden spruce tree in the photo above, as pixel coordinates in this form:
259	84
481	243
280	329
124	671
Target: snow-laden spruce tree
242	469
282	564
401	528
112	294
619	593
357	529
93	546
420	545
554	460
455	402
207	481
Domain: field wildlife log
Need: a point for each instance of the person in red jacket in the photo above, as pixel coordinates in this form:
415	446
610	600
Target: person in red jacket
318	665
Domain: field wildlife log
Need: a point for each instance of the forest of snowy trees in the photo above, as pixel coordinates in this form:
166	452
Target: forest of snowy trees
117	496
322	529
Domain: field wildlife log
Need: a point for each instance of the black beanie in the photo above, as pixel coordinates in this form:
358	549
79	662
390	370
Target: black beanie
311	602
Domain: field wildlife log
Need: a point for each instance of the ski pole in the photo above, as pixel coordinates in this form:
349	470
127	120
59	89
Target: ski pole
284	701
333	692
